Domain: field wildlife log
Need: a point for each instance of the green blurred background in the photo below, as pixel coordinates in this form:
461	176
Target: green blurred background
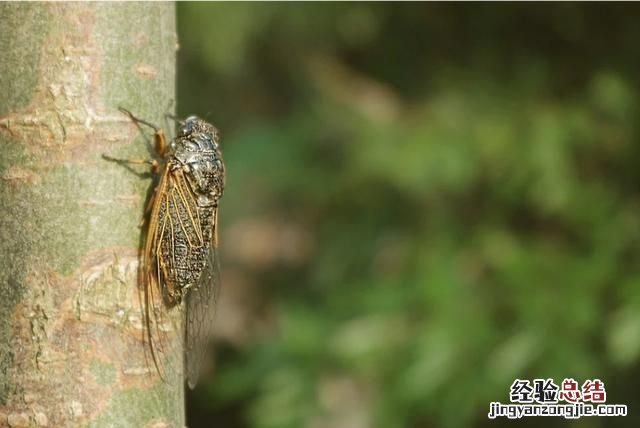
424	202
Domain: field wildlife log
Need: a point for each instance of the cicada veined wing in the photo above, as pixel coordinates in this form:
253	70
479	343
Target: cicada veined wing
199	313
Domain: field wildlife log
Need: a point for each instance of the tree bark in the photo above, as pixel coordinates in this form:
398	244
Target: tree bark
71	351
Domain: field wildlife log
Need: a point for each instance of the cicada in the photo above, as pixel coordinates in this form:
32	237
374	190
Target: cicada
179	262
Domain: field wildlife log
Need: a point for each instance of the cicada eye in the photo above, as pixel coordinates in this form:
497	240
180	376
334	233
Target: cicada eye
188	126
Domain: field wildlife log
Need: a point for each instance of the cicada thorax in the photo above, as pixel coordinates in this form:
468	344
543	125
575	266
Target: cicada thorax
185	236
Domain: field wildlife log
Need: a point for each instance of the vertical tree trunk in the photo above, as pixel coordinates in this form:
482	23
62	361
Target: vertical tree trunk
70	320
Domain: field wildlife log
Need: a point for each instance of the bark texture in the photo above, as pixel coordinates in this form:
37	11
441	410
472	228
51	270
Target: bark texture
70	321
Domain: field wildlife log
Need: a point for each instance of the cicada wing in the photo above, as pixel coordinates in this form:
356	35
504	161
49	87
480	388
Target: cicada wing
164	333
163	325
200	311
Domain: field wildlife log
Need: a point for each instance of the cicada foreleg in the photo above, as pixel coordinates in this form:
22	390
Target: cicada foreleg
160	147
159	140
159	144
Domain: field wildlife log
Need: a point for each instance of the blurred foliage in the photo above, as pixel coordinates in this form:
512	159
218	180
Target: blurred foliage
424	202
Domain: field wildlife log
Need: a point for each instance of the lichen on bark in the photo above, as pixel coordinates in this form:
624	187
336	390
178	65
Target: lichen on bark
70	321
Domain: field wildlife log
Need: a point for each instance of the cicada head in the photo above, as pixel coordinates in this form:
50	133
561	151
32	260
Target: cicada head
196	148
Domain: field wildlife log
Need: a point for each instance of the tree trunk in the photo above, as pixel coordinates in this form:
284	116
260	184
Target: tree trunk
71	351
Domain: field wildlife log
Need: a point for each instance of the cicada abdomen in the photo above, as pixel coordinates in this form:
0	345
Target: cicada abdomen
179	270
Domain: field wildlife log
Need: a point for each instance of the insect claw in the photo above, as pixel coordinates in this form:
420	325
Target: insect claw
137	120
125	111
